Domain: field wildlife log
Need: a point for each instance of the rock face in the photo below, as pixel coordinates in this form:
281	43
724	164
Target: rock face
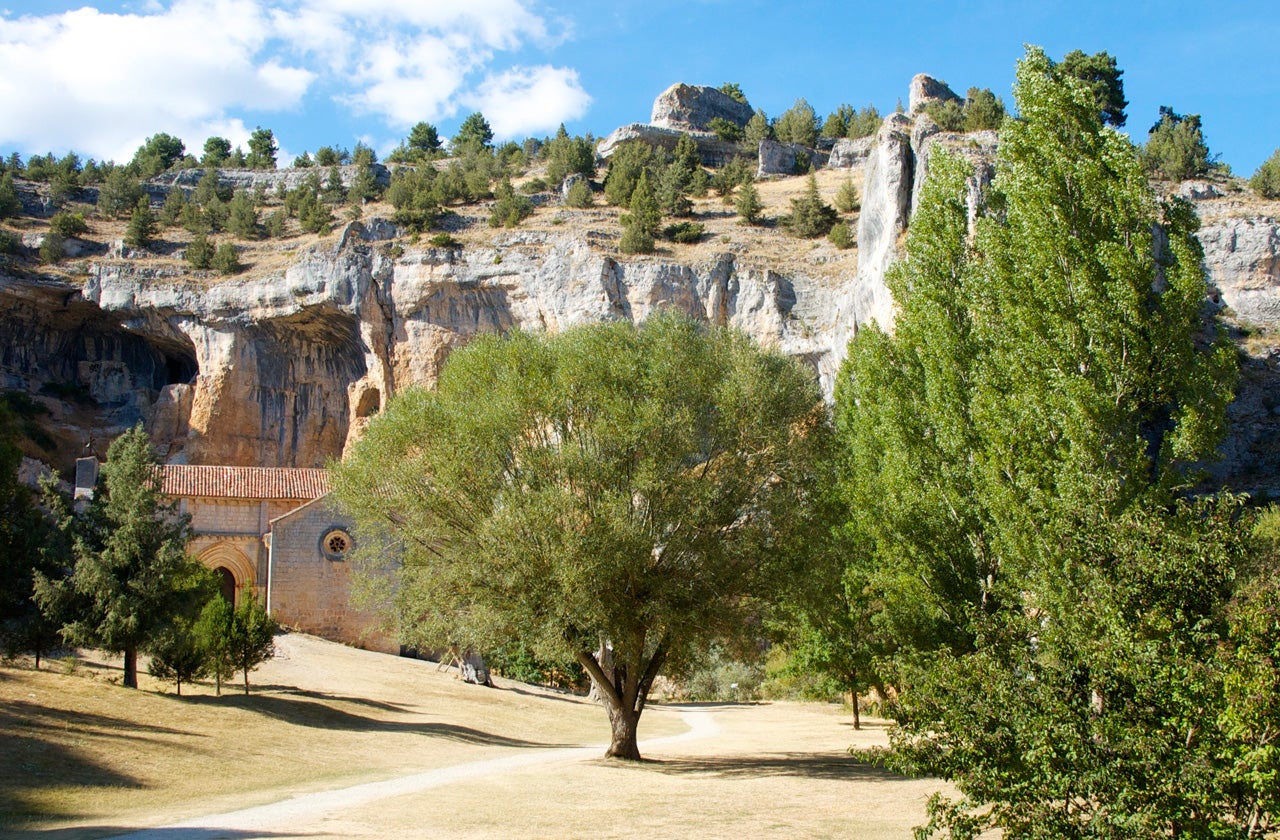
787	158
711	149
1242	258
284	370
926	89
692	107
850	154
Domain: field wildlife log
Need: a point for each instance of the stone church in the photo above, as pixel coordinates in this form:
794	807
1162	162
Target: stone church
274	531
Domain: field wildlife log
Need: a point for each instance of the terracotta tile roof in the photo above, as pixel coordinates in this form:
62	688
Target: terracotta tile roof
243	482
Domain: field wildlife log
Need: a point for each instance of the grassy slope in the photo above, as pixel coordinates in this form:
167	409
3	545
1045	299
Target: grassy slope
87	758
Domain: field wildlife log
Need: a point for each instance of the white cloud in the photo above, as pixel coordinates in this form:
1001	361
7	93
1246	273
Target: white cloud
528	100
100	83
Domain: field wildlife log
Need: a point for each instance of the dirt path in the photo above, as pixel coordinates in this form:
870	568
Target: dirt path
296	815
754	770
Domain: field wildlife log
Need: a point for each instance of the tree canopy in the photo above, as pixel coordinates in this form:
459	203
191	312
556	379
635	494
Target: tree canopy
1100	73
474	134
1020	455
131	572
640	488
1176	147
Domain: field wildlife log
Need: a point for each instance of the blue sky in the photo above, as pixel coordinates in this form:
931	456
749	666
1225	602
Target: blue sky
98	77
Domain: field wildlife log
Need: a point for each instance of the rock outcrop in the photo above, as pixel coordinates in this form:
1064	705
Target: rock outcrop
286	368
692	108
283	370
851	154
1242	258
926	89
711	149
787	158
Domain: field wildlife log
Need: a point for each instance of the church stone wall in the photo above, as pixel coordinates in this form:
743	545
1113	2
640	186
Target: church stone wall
310	587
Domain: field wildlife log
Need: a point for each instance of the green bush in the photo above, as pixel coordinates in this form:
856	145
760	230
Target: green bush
686	233
1266	181
723	679
68	224
226	260
9	242
509	208
840	235
1175	147
580	194
444	240
200	252
533	186
726	130
52	249
274	223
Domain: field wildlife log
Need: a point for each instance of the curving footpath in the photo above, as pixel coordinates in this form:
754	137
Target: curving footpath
309	807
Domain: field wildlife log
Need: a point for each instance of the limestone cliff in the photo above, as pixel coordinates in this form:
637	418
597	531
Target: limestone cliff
284	367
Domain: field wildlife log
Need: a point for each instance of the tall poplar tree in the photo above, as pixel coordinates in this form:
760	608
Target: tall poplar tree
1020	455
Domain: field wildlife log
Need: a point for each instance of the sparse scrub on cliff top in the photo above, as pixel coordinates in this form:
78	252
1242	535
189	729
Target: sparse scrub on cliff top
1266	181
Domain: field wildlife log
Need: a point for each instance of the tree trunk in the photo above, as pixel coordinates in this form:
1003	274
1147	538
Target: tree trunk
624	723
246	682
217	681
857	718
131	667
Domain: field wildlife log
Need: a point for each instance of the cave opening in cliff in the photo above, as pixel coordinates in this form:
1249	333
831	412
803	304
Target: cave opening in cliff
370	403
179	369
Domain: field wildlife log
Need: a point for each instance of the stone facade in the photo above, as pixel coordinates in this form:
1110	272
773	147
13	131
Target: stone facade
274	531
310	576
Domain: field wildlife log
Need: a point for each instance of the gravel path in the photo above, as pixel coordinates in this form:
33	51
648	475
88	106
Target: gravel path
290	815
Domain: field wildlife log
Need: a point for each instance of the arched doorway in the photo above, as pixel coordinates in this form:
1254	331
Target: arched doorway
234	570
227	583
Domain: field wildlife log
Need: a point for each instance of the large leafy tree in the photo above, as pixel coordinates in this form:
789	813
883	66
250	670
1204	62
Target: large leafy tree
637	487
131	570
1019	456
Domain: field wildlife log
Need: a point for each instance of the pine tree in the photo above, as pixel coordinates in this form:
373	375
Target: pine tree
10	206
131	565
252	636
142	225
640	226
748	203
810	215
242	217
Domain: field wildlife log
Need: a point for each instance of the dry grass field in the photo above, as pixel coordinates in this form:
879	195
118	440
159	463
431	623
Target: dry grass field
84	757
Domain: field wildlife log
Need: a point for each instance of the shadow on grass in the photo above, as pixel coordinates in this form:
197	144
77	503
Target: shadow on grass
107	831
303	711
38	751
801	765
